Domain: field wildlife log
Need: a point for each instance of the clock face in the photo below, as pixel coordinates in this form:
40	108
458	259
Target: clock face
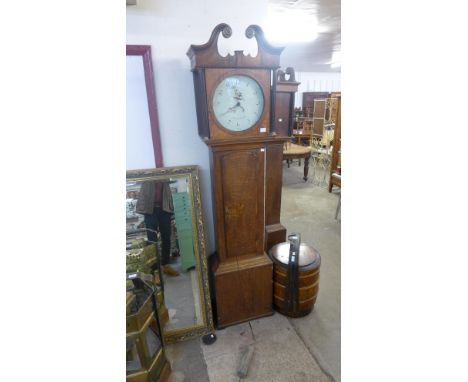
238	102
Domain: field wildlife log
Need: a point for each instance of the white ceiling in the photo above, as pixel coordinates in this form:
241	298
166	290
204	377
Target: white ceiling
314	56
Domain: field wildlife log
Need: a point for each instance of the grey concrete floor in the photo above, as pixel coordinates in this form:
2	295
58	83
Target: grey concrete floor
285	349
310	210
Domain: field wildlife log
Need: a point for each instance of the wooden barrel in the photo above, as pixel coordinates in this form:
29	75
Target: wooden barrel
308	279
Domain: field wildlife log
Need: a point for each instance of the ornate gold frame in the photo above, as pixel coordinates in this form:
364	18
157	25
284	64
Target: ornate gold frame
192	173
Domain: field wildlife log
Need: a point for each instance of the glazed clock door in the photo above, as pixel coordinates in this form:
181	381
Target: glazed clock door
240	204
238	103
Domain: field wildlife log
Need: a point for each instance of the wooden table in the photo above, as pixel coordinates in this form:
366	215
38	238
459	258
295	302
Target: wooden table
293	151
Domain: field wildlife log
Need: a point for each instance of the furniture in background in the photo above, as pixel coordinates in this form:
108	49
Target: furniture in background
321	158
284	102
319	133
338	208
318	107
335	180
303	130
292	151
317	124
333	106
318	119
321	139
335	166
308	100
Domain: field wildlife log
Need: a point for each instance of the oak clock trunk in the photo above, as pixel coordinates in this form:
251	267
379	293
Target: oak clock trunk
234	98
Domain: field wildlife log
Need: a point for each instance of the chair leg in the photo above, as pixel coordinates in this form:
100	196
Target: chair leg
306	168
338	208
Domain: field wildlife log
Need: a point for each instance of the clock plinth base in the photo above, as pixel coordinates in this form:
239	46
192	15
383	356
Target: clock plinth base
274	234
244	289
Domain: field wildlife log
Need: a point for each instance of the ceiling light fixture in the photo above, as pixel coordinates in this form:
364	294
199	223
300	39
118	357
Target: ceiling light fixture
290	25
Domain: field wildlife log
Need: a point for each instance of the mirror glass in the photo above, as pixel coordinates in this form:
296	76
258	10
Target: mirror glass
163	209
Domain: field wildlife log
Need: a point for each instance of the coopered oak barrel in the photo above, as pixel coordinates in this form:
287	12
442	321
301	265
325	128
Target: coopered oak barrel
307	283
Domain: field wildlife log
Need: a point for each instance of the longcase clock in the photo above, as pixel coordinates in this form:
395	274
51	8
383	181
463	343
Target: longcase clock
235	105
285	99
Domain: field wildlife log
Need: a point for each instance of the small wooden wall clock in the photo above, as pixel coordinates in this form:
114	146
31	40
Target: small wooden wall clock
235	110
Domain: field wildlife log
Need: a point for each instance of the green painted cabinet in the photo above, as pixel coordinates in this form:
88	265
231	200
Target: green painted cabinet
183	219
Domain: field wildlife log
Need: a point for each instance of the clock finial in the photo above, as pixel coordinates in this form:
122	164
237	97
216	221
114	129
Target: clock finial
257	32
207	55
225	29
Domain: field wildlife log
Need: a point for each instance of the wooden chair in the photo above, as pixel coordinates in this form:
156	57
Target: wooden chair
303	131
322	137
317	127
292	151
320	155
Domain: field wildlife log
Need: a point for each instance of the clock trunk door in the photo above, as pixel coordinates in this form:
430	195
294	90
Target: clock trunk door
240	202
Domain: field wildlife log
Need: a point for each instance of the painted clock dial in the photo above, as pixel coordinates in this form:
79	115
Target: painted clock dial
238	102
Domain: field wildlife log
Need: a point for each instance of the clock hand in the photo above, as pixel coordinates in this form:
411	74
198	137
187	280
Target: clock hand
229	110
233	108
238	103
237	95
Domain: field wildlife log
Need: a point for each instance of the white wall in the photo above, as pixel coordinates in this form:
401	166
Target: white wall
170	26
140	151
317	82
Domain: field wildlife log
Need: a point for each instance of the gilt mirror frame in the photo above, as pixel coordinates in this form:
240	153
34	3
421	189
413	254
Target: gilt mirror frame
192	174
145	52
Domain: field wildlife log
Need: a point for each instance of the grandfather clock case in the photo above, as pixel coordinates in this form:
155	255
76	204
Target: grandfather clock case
235	111
286	89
